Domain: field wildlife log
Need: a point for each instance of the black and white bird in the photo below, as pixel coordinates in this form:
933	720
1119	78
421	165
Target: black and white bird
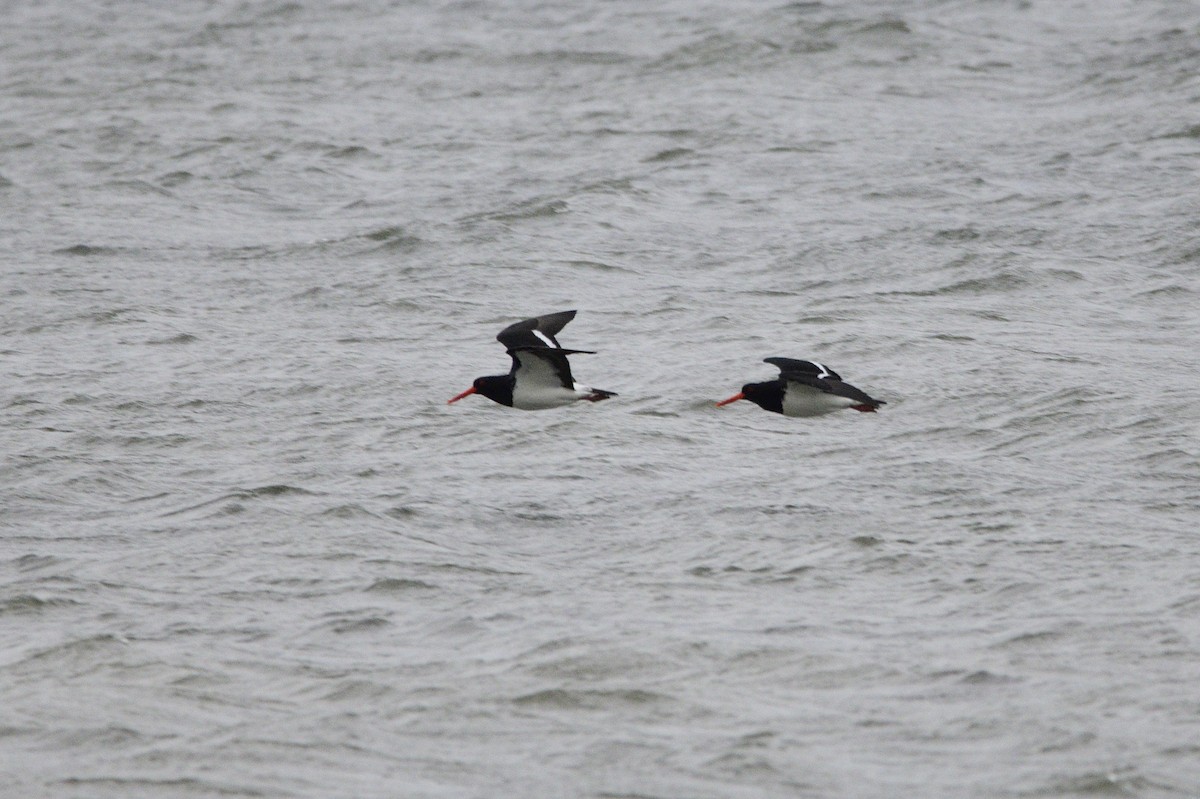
804	388
540	377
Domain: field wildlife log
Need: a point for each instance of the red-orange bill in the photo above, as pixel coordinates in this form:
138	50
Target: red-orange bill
466	393
734	398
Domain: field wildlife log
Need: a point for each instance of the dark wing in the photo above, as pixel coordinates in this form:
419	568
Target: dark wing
544	366
536	332
820	384
794	366
832	385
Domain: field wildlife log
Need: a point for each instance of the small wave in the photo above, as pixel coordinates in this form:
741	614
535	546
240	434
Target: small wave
100	736
180	338
165	440
172	179
758	574
1029	639
572	699
745	765
968	233
887	27
182	786
232	503
368	624
273	491
393	238
351	151
985	677
458	567
1168	291
1189	132
581	57
596	265
88	650
1005	281
88	250
728	50
138	187
1168	459
672	154
32	604
1117	783
399	584
429	55
348	510
357	690
28	563
114	316
660	414
533	210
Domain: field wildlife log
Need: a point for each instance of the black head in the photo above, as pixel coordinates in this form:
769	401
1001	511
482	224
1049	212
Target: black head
768	396
498	388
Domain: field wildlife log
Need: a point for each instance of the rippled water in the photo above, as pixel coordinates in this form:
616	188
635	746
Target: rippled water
250	250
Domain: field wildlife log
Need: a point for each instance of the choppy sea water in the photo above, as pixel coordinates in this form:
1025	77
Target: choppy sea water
250	250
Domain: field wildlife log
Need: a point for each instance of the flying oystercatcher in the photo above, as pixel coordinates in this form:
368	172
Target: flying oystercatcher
804	388
540	377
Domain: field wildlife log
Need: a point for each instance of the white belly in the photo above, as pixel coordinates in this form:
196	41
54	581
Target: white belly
802	400
541	397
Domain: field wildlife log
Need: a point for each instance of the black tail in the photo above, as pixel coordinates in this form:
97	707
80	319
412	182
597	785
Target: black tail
599	394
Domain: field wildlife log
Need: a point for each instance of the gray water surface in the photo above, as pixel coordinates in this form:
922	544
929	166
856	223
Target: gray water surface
249	250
